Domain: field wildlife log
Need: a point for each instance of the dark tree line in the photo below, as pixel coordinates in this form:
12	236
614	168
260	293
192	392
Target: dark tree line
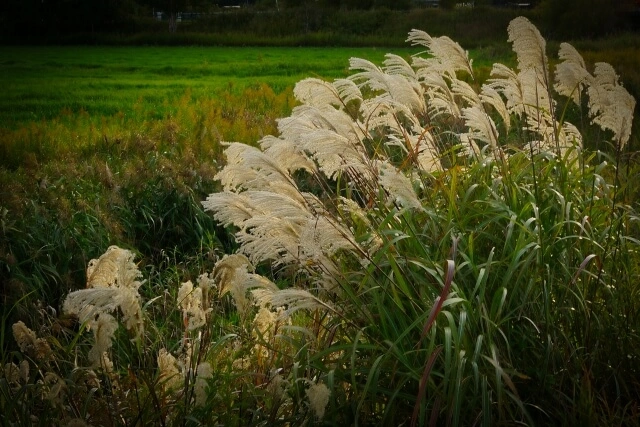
41	20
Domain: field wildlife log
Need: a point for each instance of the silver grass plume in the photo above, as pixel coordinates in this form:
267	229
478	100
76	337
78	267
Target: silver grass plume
281	229
571	75
480	126
233	275
191	301
291	300
465	93
611	106
398	87
307	118
28	342
442	100
490	96
319	93
529	46
169	372
398	186
448	56
112	284
249	168
332	138
288	155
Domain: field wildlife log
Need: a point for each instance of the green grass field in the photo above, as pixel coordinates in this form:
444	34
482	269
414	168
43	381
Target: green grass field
41	82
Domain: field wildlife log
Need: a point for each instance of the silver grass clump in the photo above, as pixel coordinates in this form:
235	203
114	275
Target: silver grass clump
369	143
112	285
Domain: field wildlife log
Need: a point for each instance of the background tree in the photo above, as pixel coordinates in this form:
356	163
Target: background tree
584	18
448	4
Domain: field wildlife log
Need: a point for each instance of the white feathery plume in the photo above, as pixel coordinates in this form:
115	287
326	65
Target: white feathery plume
318	93
203	373
169	373
530	49
113	283
605	75
428	156
525	92
398	186
445	51
293	299
286	154
389	117
190	299
610	105
565	138
322	237
568	53
281	229
370	74
233	276
491	97
506	82
249	168
12	374
335	153
348	90
318	395
230	208
408	92
104	328
571	75
307	118
464	91
269	238
331	138
481	126
395	86
569	138
529	45
546	142
29	343
206	283
441	98
394	64
286	241
351	207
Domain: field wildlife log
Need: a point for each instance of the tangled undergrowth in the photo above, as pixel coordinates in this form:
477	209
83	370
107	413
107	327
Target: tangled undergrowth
415	247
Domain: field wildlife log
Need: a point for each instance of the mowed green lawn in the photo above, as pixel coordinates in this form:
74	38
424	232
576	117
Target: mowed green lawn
41	82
